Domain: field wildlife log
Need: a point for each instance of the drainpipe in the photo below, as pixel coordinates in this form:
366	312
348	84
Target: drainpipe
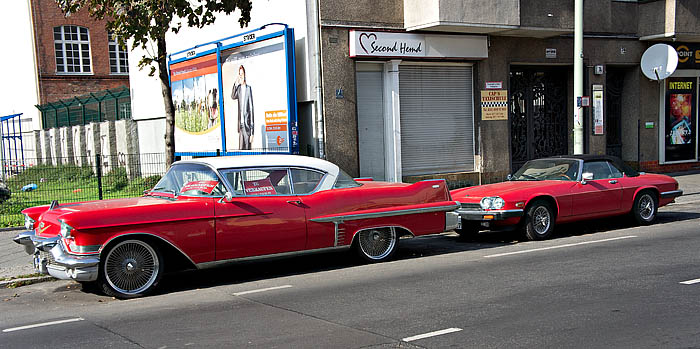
578	76
319	127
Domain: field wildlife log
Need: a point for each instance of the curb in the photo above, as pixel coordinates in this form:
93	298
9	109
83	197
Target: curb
25	281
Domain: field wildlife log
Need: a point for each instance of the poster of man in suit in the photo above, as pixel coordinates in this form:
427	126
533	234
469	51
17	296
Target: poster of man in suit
246	122
255	100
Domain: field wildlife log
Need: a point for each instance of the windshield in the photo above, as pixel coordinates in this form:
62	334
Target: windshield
548	169
190	180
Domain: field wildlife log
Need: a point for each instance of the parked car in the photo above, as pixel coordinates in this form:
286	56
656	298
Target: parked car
564	189
213	210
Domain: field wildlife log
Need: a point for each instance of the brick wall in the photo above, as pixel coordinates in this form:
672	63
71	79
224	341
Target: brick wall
653	166
52	86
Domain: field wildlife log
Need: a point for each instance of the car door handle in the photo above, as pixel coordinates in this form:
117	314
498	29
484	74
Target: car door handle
614	181
294	202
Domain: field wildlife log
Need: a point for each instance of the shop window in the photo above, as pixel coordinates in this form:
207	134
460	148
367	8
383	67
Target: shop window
72	46
118	57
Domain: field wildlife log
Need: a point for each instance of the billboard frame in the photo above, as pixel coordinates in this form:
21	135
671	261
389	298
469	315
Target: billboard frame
239	40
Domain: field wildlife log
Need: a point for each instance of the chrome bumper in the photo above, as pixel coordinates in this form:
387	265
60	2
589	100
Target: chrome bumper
493	215
671	194
452	221
50	257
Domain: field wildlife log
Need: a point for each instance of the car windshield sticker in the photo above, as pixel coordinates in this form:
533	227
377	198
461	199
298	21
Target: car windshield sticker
204	186
259	187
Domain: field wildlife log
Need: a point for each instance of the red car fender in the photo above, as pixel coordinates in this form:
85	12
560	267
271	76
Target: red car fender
545	196
113	239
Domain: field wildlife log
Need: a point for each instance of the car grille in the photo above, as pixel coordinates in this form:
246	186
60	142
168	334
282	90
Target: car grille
48	257
471	207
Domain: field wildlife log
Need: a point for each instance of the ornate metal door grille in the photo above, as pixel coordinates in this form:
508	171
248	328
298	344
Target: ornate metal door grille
538	117
614	82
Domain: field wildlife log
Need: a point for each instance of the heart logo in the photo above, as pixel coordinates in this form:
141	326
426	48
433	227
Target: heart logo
367	36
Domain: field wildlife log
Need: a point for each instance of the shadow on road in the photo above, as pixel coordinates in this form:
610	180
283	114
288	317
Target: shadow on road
248	271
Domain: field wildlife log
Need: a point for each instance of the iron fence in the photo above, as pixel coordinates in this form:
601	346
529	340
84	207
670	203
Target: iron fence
76	179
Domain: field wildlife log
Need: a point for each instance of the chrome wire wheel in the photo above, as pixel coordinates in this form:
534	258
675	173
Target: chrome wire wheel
131	267
377	244
646	207
542	220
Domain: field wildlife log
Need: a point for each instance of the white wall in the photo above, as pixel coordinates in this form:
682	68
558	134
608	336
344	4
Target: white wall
19	89
146	96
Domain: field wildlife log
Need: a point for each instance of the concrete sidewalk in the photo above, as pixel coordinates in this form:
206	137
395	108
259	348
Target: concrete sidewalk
14	261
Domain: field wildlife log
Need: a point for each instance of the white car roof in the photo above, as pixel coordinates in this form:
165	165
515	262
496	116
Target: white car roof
239	161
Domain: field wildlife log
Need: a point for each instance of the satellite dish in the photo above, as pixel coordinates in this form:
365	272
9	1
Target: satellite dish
659	61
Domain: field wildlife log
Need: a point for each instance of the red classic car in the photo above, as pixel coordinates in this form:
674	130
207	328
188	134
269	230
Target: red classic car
212	210
564	189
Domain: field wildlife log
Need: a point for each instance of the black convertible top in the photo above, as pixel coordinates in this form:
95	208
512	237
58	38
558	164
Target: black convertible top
630	172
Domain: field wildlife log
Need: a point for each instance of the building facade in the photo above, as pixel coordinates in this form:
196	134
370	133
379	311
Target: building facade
75	55
474	118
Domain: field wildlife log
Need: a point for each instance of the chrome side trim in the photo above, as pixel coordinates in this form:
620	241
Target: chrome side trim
671	194
207	265
351	217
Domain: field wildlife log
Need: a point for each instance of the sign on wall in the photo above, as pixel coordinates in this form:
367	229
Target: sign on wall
494	105
236	95
688	55
681	118
386	44
598	110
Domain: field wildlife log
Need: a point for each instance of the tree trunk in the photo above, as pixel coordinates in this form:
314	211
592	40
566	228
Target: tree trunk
168	101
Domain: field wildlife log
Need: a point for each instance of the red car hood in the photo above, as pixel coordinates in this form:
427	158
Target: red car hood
104	213
502	189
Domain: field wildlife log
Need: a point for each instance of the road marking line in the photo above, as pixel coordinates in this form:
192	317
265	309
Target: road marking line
690	282
262	290
42	324
431	334
559	246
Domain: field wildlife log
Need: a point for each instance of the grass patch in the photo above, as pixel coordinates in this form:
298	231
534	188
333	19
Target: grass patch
21	277
66	184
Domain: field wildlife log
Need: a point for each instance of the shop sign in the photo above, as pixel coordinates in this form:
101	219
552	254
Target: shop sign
688	55
681	118
494	105
386	44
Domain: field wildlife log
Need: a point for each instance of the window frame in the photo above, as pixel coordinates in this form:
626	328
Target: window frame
63	42
113	44
289	169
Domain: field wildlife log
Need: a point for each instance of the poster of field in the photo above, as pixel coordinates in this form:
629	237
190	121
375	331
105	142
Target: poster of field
195	91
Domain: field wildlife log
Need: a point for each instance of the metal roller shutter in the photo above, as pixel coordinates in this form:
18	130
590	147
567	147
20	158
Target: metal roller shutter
437	119
370	123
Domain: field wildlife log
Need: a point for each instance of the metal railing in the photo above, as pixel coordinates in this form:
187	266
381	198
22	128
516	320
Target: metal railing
80	179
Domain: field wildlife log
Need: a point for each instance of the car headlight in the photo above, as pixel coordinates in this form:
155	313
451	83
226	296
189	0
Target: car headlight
28	222
65	229
492	203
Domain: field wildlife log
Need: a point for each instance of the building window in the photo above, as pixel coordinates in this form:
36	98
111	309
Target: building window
118	57
72	45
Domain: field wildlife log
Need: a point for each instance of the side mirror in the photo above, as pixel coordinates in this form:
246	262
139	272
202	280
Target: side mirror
587	176
228	197
509	177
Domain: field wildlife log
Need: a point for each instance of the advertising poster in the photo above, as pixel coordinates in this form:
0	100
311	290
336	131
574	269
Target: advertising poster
195	92
681	119
255	97
494	105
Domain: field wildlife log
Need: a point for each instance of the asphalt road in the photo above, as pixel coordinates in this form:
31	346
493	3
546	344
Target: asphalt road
600	284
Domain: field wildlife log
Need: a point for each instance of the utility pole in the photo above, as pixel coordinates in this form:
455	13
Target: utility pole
578	76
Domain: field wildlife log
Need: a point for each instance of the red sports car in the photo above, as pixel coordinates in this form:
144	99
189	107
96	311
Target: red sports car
207	211
564	189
